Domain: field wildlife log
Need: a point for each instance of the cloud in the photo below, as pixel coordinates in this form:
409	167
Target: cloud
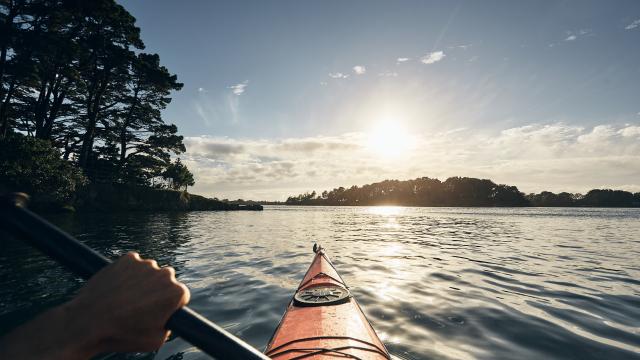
359	70
202	147
215	108
402	59
573	35
239	89
338	75
462	47
219	148
556	157
634	24
388	74
256	168
433	57
630	131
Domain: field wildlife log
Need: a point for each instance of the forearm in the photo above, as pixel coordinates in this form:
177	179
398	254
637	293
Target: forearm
122	308
55	334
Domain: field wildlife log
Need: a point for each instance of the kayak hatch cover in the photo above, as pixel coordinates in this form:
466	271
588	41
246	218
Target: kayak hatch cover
323	320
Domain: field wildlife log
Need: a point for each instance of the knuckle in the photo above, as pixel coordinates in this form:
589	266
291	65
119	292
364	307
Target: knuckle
177	289
181	292
168	271
185	294
152	263
132	255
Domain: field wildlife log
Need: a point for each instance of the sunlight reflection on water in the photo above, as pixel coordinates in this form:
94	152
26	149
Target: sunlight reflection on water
385	210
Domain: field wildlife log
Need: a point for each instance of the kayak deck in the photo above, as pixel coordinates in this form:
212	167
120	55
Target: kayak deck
323	321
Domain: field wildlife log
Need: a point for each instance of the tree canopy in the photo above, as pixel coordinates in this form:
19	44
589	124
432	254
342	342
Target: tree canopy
35	167
75	74
178	175
458	191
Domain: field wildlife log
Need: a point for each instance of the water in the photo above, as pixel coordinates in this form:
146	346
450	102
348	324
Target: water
437	283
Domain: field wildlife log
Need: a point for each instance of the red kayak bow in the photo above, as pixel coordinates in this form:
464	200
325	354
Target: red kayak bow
323	320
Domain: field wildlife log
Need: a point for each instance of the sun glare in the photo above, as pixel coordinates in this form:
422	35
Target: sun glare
389	139
385	210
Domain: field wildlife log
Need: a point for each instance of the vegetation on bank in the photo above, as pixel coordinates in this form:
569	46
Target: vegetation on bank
81	102
458	191
118	197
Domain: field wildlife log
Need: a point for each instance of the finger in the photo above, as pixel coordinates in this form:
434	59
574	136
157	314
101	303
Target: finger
177	295
157	342
169	272
152	263
132	255
186	295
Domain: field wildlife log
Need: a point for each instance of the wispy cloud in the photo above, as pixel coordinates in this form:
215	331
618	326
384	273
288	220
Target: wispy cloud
462	47
215	108
338	75
634	24
433	57
556	157
573	35
400	60
359	69
388	74
240	88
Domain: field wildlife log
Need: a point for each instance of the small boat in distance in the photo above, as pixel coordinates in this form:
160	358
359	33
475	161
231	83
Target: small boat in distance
323	320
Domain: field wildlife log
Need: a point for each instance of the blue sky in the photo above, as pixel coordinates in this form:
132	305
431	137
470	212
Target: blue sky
289	96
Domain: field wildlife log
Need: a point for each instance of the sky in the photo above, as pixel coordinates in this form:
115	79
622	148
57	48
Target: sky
283	97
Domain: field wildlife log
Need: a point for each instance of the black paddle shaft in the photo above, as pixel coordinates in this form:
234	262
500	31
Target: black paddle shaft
85	262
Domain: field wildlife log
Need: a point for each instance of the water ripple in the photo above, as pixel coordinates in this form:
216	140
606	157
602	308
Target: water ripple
437	283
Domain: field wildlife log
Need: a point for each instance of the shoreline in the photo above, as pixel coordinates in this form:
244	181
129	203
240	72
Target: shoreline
460	206
100	198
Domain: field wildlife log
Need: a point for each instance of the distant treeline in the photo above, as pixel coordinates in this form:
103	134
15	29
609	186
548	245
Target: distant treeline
458	191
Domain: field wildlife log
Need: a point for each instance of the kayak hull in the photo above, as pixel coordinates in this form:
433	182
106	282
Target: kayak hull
323	321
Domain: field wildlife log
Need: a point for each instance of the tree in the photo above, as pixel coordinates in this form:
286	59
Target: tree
109	35
455	191
12	26
34	166
52	47
178	176
607	198
147	93
547	198
72	73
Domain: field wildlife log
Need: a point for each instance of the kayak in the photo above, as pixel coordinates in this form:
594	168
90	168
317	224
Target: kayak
323	320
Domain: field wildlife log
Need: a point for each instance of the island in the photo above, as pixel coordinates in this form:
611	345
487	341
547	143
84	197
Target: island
459	191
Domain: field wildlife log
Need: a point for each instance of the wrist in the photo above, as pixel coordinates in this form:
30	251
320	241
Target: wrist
80	338
56	334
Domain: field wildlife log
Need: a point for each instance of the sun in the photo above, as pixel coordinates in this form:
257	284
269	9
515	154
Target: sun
389	139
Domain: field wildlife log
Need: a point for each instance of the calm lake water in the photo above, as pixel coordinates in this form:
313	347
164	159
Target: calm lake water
437	283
